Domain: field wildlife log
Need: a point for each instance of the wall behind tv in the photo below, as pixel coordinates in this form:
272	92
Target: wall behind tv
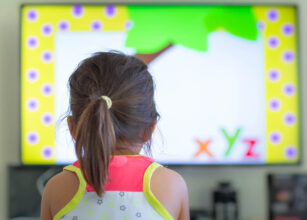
250	181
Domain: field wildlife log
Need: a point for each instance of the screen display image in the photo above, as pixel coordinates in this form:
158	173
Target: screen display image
226	78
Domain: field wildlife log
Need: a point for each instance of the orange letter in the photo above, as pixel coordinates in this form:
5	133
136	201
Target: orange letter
203	147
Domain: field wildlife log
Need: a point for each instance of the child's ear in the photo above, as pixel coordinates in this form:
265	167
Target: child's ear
71	126
153	127
148	135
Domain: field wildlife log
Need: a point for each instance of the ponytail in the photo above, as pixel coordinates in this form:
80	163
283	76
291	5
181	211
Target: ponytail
95	141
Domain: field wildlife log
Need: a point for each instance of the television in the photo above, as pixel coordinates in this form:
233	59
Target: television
226	77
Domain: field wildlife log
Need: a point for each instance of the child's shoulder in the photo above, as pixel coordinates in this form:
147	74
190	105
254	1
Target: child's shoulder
166	184
59	191
168	176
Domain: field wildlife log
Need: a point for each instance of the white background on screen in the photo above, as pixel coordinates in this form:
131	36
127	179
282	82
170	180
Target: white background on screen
197	94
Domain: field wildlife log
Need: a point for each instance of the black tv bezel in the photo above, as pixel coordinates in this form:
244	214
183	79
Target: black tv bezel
241	165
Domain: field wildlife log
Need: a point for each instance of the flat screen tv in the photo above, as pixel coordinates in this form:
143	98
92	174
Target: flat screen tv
227	78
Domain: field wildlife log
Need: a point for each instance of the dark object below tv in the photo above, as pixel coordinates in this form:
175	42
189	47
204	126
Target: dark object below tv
287	196
25	187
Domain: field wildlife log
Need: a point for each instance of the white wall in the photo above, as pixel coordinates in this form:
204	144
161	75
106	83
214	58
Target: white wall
250	181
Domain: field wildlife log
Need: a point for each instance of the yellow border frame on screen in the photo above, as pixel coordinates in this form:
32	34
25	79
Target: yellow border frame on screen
37	44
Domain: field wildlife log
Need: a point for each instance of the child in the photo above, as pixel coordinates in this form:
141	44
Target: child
113	117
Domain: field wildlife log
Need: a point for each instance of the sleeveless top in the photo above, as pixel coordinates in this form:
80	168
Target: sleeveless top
127	194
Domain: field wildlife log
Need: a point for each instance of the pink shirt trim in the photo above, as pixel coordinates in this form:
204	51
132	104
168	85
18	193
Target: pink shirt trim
125	173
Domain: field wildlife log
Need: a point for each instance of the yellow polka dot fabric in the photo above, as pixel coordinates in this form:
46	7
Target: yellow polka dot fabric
278	28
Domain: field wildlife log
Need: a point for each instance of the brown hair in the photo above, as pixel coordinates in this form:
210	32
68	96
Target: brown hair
129	121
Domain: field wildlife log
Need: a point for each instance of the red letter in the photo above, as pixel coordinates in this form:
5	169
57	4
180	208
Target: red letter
251	143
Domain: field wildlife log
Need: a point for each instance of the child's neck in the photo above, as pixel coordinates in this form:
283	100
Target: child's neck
123	152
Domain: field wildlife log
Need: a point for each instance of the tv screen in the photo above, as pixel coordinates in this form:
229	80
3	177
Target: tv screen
227	80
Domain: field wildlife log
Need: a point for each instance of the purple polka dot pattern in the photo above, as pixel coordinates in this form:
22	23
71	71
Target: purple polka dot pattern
47	152
289	89
47	119
288	56
290	152
96	25
274	75
77	11
287	29
128	25
273	42
274	104
32	75
277	27
47	29
32	104
63	25
272	15
290	119
46	56
47	89
32	15
32	138
260	25
275	137
32	42
110	11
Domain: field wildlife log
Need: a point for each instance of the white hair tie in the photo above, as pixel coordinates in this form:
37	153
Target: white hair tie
108	101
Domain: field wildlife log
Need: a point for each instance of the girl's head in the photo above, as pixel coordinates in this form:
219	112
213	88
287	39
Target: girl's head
99	131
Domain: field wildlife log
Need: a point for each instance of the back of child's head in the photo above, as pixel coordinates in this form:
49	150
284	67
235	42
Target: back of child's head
102	127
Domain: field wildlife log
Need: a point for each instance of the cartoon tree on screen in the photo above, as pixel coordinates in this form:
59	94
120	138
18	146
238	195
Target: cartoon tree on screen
157	28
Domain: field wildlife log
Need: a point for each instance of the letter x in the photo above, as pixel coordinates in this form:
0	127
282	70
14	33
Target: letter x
203	148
